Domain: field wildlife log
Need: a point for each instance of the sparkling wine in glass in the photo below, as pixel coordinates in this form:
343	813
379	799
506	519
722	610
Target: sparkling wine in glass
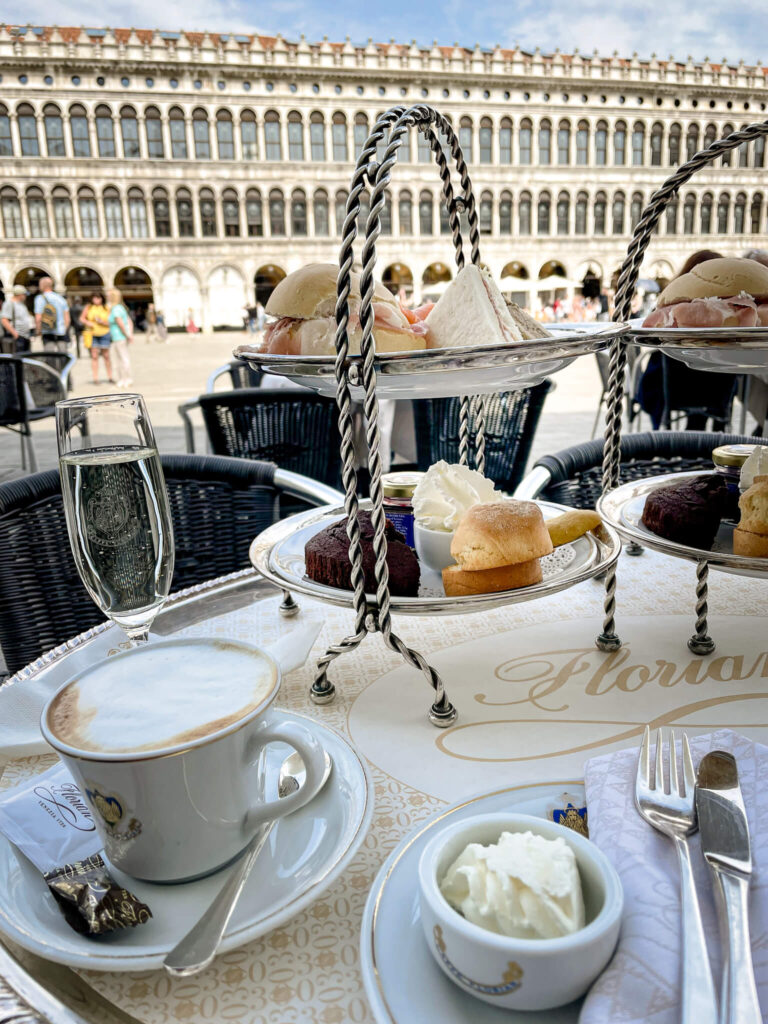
116	505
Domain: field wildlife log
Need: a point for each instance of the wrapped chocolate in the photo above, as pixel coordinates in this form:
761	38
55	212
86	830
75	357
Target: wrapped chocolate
47	818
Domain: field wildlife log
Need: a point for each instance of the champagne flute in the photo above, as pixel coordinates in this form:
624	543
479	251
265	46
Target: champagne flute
116	506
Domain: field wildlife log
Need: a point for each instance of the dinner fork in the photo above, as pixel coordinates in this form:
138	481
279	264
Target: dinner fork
671	809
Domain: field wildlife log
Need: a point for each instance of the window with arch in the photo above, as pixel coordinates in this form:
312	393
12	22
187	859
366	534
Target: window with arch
710	134
207	204
486	141
601	144
671	221
201	135
6	140
320	211
580	222
617	214
137	213
675	134
657	142
178	128
276	212
38	213
295	136
705	214
543	209
505	213
298	213
385	216
743	152
153	129
363	212
726	158
689	214
505	141
113	213
759	151
638	144
563	213
54	130
254	214
88	210
63	214
486	213
465	138
524	213
230	213
620	144
161	212
225	135
739	213
525	141
317	136
340	210
30	145
405	213
249	137
691	141
272	146
105	132
185	213
582	144
129	129
635	210
339	137
445	223
545	142
426	213
564	143
11	209
404	153
756	213
360	133
723	206
600	210
423	148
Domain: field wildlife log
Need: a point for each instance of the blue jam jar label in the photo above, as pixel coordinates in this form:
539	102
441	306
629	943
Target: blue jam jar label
402	521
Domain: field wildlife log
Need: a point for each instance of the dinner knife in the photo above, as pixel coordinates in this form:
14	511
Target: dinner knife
725	845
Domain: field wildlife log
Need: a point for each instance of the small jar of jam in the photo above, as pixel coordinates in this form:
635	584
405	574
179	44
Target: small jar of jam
398	491
728	460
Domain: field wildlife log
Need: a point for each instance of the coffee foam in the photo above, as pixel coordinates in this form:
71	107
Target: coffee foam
158	697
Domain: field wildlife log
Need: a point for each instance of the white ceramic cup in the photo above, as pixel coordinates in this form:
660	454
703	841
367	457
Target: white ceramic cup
433	546
180	812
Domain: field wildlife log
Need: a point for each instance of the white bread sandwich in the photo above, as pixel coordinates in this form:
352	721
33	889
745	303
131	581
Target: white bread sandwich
721	292
471	312
304	305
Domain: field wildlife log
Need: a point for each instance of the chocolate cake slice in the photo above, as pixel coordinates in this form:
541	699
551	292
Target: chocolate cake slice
688	512
326	558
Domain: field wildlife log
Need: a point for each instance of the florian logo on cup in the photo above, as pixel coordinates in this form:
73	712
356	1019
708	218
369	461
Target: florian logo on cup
167	743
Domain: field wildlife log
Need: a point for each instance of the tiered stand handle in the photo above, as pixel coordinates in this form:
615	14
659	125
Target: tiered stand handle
700	642
374	615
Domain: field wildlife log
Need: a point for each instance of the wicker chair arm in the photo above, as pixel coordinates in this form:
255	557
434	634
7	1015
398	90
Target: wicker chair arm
67	369
210	384
314	491
189	429
533	483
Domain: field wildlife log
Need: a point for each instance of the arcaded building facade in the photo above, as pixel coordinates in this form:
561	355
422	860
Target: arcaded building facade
195	170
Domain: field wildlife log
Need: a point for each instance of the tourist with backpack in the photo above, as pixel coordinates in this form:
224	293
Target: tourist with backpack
51	316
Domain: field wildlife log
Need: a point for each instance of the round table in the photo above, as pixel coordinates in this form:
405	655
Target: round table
535	700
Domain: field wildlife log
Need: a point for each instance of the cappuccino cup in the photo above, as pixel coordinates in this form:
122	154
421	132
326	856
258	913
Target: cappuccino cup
167	744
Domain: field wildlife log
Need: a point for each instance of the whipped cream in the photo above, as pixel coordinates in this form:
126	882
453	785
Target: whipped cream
756	464
524	886
445	493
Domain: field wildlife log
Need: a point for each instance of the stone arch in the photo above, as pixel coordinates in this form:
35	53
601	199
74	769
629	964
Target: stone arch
80	282
181	294
226	296
397	277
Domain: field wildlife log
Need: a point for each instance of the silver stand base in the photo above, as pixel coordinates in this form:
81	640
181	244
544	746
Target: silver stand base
288	608
322	696
608	642
634	549
701	642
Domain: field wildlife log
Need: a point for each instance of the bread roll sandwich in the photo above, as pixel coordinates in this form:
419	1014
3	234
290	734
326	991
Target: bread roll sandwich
304	305
751	535
471	312
497	546
722	292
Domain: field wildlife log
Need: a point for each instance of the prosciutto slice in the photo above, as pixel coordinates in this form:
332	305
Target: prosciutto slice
739	311
292	336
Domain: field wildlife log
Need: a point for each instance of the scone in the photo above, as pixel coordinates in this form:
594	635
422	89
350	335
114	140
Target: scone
750	537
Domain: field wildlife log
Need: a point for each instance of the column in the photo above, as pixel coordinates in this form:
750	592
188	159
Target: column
15	136
237	139
65	127
142	130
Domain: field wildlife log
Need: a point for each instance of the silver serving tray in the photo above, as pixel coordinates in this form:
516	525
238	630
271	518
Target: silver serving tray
717	349
445	372
623	508
278	553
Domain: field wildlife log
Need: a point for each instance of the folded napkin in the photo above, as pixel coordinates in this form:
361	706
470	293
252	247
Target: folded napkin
642	982
22	703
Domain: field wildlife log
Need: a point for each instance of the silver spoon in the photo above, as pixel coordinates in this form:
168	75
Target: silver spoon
198	947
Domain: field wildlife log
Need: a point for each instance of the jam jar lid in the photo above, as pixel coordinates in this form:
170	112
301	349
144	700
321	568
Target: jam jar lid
400	485
732	455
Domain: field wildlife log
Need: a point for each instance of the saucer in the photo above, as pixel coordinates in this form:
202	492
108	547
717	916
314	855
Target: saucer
403	983
305	854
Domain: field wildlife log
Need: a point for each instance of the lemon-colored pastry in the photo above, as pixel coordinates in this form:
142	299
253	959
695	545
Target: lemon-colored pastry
572	525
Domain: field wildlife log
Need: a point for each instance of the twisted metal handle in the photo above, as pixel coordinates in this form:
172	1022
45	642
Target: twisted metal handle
701	642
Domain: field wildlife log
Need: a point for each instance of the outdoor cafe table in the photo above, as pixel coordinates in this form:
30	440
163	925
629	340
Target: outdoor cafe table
535	700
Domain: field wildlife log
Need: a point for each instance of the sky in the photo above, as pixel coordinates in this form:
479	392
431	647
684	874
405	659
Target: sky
701	28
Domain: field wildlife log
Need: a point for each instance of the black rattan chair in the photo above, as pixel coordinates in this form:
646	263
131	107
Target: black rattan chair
511	418
29	391
61	362
218	506
574	475
241	375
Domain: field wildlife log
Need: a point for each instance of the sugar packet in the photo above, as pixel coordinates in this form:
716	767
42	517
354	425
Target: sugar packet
47	818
